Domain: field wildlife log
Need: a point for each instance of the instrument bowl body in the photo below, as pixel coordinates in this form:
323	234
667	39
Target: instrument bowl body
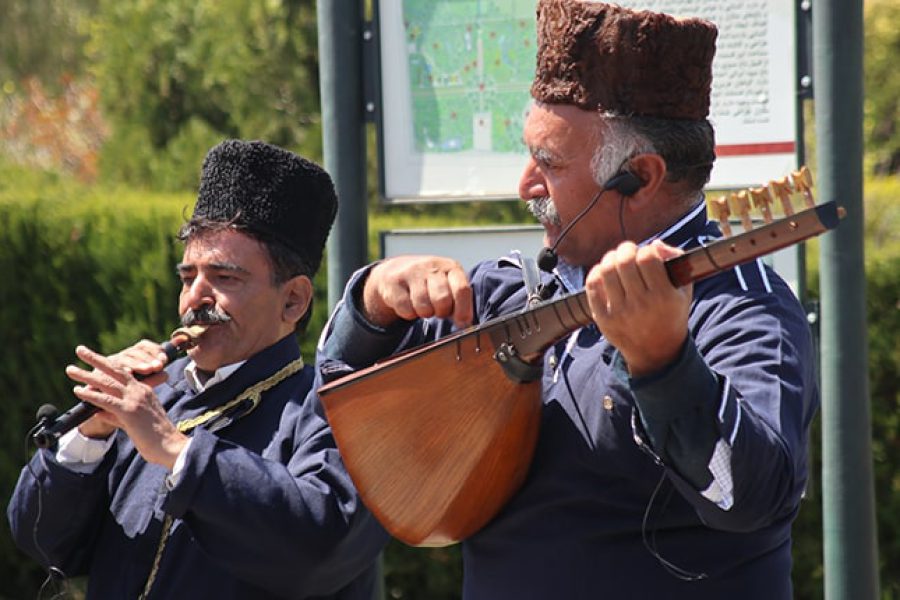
435	451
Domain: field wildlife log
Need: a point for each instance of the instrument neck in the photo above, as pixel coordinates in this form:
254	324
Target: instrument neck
532	331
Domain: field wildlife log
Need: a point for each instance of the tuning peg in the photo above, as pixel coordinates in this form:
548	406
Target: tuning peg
803	183
781	189
741	201
722	212
761	200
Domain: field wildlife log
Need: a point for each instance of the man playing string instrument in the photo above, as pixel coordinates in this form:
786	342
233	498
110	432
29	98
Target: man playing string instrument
672	452
216	477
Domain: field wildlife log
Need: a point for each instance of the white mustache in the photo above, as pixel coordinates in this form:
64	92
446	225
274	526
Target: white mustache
544	210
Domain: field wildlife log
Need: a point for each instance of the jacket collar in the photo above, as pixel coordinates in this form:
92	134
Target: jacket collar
256	368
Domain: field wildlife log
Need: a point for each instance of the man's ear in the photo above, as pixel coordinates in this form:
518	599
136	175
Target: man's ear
651	170
297	294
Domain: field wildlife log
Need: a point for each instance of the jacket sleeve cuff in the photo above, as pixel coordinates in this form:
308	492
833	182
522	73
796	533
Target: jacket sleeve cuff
351	338
81	453
696	385
174	477
677	411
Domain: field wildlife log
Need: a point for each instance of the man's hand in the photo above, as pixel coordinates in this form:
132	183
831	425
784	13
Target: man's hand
412	287
637	308
128	404
145	358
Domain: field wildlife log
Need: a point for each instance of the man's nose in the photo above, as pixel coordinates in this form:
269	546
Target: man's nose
531	183
198	294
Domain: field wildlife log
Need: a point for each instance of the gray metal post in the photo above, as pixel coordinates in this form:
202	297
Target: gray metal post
340	32
340	24
851	552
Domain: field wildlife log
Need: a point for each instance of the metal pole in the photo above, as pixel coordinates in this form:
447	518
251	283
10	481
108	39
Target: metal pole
851	552
803	83
340	32
340	24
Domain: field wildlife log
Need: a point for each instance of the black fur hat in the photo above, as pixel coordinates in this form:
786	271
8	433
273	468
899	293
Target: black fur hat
270	192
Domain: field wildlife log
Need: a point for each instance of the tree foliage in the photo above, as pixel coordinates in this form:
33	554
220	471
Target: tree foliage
178	76
42	38
882	82
46	130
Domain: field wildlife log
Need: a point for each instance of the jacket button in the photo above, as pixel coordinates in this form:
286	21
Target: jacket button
607	402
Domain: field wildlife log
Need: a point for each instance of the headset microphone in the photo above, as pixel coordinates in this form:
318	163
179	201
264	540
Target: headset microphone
624	182
547	259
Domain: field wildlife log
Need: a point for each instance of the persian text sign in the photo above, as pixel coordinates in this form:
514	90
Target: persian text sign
455	92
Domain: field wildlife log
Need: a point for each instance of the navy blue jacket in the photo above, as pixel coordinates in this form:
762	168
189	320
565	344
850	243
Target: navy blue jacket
263	509
683	484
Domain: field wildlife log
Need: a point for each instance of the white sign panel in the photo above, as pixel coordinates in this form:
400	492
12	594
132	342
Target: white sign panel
467	245
455	79
753	105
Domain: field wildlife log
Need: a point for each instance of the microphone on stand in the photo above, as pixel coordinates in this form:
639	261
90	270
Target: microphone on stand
624	182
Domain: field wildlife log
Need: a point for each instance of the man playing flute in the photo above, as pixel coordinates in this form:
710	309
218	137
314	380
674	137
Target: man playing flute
215	476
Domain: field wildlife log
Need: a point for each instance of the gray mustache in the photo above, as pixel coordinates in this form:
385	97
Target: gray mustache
203	316
543	210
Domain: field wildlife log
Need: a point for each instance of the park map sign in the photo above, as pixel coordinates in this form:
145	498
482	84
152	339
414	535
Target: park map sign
455	78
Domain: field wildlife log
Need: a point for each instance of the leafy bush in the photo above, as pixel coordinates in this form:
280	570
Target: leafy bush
882	234
47	130
179	76
882	219
882	99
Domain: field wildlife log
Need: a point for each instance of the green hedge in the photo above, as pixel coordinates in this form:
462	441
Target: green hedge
882	231
883	325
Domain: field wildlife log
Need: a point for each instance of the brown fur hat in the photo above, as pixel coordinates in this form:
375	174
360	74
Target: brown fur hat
633	63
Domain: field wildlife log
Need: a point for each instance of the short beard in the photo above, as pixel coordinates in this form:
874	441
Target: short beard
544	210
203	316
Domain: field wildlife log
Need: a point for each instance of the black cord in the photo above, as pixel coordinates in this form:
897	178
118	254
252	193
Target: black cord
650	541
54	574
58	577
622	216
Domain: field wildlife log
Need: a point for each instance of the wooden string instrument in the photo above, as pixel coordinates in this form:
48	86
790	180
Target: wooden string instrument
437	439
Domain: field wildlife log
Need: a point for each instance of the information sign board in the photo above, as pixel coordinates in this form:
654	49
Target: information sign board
455	78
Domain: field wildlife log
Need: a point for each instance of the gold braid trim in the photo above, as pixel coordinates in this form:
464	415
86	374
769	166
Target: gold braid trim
252	393
163	538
